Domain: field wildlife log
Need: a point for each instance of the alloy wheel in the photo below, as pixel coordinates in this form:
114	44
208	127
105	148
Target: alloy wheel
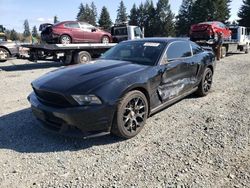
208	81
134	114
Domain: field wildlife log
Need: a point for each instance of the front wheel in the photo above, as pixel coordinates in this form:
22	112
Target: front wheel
131	115
4	55
206	83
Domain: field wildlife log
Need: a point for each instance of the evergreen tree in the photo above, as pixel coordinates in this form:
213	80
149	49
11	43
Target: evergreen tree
26	32
149	19
210	10
164	19
121	13
105	20
34	32
133	17
55	19
93	14
87	13
244	14
81	12
13	35
184	19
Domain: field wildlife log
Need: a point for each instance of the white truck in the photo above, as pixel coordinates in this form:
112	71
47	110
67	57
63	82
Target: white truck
239	42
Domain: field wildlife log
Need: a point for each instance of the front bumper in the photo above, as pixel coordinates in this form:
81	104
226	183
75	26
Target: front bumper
73	120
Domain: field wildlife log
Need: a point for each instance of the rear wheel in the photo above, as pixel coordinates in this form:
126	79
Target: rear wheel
65	39
206	83
4	55
82	57
131	115
105	39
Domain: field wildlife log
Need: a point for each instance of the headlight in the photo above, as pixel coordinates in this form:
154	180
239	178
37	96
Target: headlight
86	99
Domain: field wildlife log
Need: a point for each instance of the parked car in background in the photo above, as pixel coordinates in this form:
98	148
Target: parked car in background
118	92
8	49
74	32
209	30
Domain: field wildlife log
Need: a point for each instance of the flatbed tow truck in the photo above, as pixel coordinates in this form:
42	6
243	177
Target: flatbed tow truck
81	53
67	53
239	42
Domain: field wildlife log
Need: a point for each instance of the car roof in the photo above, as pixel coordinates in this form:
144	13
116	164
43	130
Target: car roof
159	39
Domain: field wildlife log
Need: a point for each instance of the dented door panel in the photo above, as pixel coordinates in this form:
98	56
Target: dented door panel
176	79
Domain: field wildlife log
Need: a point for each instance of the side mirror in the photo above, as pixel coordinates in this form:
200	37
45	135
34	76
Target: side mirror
4	29
93	30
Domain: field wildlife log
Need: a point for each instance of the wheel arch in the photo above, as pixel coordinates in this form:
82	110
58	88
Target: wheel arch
6	49
211	67
142	90
67	35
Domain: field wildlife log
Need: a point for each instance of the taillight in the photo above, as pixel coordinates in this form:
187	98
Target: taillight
210	31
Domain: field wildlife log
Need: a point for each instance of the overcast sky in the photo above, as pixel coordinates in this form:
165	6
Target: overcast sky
14	12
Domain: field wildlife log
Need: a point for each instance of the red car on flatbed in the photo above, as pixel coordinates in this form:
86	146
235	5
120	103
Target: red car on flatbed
74	32
209	30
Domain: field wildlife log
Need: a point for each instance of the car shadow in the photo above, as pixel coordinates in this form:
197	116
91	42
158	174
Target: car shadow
30	66
19	131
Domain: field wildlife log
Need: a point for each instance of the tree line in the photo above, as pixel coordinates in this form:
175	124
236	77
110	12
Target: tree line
157	20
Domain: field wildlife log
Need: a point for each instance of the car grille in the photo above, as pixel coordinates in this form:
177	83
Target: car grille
52	99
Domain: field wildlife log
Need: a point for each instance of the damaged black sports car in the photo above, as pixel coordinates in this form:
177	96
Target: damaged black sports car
119	91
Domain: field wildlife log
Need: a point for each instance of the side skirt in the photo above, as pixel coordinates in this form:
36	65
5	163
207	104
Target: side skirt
168	103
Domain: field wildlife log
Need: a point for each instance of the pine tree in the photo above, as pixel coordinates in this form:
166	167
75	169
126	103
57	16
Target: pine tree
55	19
93	14
34	32
105	20
244	14
121	13
149	19
184	19
13	35
81	12
210	10
87	13
26	32
164	19
133	17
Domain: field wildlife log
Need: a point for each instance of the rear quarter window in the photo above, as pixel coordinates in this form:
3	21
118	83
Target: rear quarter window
196	49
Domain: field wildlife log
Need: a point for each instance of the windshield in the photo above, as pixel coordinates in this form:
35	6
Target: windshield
139	52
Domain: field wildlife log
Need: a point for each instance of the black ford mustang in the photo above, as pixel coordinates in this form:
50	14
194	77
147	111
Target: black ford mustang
118	92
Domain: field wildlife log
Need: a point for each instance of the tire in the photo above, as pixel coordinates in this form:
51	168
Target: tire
247	50
206	83
65	39
4	54
67	60
132	112
105	40
82	57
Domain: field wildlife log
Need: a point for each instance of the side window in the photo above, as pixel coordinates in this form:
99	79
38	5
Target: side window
137	32
178	49
196	49
72	25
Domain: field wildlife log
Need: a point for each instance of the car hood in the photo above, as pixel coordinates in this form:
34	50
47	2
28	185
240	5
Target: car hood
80	79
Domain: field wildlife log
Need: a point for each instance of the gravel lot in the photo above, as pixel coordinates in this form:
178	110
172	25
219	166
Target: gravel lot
198	142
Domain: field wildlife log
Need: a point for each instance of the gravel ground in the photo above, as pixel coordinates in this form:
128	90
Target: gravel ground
198	142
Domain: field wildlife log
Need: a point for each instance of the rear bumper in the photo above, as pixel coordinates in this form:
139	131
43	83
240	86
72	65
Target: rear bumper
73	120
196	36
